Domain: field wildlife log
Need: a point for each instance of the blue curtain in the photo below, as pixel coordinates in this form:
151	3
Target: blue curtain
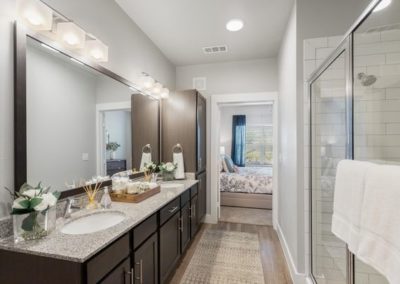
239	140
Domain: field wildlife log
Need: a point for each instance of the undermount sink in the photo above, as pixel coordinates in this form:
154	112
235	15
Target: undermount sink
171	185
93	223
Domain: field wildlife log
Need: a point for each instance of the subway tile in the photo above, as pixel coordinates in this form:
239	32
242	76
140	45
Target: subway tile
393	128
393	58
390	35
368	60
377	48
317	42
383	140
309	68
323	53
334	41
362	38
392	93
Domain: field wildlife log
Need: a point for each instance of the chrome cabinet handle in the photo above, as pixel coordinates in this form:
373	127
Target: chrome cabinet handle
194	210
190	212
131	273
140	278
180	224
172	210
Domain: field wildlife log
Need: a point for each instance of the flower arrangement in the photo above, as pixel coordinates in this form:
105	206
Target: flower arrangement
150	170
168	170
31	209
112	146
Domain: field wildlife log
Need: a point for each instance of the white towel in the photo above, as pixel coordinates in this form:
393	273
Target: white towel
180	170
146	159
348	197
380	222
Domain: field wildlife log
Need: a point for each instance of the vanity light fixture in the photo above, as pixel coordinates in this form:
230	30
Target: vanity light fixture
96	50
157	88
234	25
382	5
35	14
164	94
71	35
147	82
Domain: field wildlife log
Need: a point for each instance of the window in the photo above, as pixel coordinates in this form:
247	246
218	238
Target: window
259	145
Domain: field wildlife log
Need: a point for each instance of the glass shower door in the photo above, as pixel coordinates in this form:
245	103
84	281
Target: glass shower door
329	145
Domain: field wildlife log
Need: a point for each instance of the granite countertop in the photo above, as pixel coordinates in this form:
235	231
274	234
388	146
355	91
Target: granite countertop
79	248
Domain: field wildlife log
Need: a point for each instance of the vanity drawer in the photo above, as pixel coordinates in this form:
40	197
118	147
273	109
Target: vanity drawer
103	263
185	197
169	210
193	190
144	230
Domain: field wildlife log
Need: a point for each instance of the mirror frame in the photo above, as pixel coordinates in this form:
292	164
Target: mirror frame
20	125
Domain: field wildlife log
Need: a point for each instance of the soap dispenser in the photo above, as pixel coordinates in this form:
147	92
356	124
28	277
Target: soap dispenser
105	201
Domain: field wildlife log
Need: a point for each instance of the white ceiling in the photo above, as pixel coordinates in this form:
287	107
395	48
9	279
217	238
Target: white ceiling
181	28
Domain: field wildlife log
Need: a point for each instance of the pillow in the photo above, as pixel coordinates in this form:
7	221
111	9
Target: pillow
229	164
224	167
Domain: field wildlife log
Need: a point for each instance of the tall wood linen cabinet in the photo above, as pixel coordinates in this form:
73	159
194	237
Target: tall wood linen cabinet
184	122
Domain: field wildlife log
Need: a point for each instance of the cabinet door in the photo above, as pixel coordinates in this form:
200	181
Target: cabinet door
120	275
194	223
169	246
202	193
185	226
146	262
201	133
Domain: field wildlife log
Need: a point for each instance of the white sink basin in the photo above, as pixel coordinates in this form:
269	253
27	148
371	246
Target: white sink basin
171	185
93	223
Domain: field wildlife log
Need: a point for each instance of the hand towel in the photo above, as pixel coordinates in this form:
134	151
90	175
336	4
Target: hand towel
348	197
146	159
379	244
180	170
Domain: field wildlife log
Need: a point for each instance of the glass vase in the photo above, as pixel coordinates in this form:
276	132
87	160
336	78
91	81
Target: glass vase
168	176
34	225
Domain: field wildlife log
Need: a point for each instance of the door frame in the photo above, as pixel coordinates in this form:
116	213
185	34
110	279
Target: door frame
213	166
100	143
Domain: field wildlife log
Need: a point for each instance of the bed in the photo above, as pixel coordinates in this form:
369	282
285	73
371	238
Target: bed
247	187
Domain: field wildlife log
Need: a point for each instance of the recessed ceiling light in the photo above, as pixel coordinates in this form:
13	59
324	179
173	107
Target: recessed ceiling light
382	5
234	25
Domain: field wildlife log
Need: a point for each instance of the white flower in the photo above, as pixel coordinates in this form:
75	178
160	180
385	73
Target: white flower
16	204
169	167
43	205
50	199
31	192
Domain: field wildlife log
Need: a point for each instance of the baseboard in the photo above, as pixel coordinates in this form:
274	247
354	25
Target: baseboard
297	277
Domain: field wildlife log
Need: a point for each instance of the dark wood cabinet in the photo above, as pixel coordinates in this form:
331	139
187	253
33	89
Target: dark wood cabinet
145	128
147	254
146	262
122	274
202	195
185	226
184	122
169	246
194	222
115	166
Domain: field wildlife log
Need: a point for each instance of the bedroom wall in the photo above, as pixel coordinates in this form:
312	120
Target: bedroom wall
261	114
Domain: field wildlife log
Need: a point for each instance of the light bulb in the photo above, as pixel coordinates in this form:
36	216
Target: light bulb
35	15
33	18
71	35
164	93
96	50
382	5
71	39
157	88
234	25
147	82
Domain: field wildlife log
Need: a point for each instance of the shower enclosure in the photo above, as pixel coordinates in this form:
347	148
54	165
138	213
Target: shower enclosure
354	114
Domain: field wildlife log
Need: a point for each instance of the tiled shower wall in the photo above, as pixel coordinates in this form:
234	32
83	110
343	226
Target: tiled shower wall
377	126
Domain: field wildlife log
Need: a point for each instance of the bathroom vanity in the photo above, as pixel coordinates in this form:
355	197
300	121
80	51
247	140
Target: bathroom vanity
144	248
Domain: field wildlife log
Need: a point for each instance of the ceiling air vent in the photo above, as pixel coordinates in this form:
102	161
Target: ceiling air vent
199	83
215	49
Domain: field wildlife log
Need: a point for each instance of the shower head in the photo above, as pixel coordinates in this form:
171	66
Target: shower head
366	80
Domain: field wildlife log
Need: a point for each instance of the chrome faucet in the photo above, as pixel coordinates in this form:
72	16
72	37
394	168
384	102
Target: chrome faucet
70	205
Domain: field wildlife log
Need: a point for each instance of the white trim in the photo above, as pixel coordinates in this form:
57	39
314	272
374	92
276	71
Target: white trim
209	219
297	277
213	167
99	129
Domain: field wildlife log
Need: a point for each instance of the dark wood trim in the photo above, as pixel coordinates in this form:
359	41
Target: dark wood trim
20	143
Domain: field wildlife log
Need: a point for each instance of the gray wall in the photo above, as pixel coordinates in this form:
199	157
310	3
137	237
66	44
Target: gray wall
231	77
131	52
61	119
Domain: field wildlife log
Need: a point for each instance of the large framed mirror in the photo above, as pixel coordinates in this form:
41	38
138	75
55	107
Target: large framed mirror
75	120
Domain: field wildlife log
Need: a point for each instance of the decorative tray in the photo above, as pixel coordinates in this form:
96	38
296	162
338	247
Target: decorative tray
134	198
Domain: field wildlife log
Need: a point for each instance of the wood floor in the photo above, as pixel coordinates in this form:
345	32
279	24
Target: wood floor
273	261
